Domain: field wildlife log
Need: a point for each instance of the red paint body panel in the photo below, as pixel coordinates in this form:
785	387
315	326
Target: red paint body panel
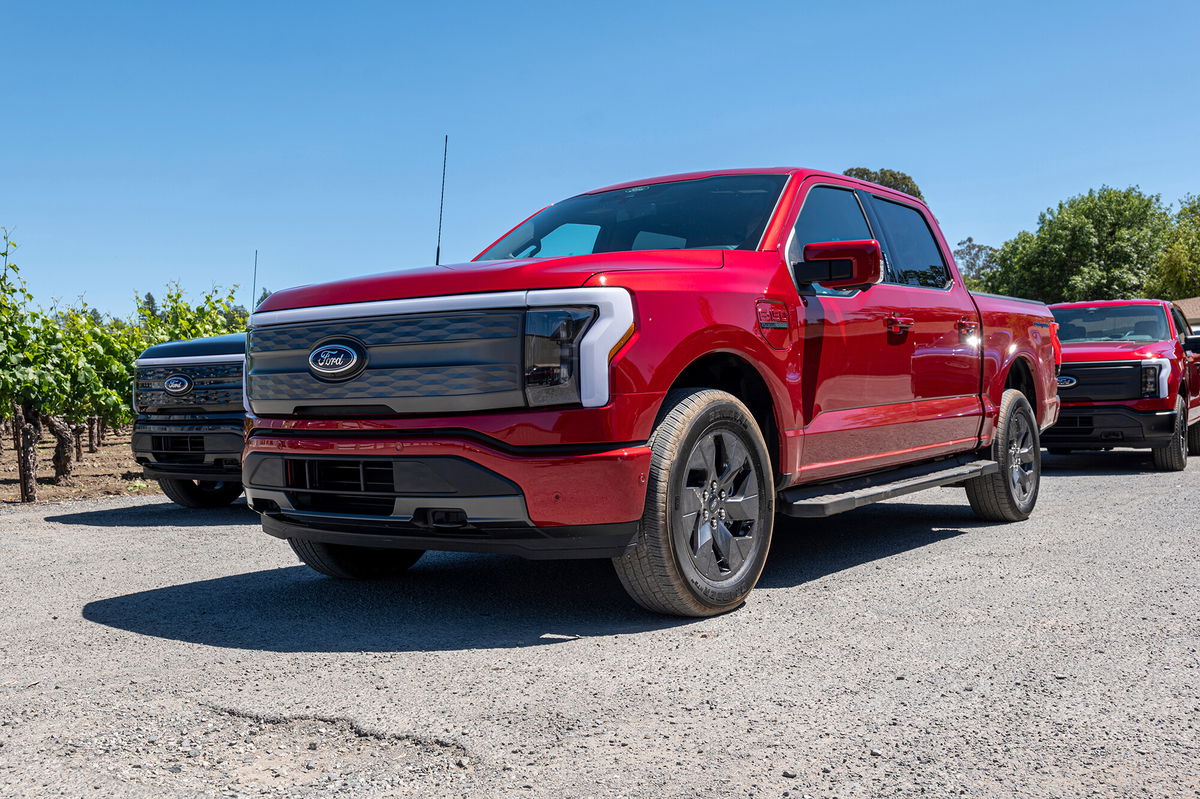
864	380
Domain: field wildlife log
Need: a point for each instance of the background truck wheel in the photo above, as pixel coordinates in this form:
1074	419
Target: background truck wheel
200	493
354	563
710	509
1010	494
1173	457
1194	439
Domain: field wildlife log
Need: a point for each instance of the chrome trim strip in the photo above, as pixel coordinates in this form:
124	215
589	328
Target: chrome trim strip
614	320
184	361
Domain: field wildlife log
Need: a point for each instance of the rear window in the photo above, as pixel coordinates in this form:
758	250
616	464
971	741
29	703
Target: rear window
1111	323
727	212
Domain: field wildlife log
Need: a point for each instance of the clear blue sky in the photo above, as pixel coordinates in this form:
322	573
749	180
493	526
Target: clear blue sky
148	142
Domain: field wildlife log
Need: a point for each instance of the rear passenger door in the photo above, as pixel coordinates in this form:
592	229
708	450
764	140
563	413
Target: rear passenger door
945	337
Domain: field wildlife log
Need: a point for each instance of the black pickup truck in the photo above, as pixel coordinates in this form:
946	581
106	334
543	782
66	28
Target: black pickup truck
189	430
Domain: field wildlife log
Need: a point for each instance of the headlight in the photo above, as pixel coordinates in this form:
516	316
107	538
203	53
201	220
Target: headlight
552	338
1150	381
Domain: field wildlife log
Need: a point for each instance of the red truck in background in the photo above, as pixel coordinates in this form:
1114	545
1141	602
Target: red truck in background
1130	378
647	372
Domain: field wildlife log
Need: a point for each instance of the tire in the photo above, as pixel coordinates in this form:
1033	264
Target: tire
700	550
354	563
200	493
1194	439
1058	451
1007	496
1173	456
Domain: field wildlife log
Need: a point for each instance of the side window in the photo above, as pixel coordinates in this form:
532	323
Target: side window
828	214
916	259
1181	325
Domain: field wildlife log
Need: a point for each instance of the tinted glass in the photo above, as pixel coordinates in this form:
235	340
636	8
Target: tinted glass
1111	323
1181	326
915	257
828	215
729	212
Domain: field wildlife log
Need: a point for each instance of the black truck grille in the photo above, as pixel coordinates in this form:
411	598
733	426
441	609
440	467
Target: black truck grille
215	388
423	363
1101	382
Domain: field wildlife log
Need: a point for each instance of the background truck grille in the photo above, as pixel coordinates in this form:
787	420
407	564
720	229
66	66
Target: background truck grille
1099	382
430	363
215	387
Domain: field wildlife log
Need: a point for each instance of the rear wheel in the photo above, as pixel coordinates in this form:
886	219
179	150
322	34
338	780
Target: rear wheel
200	493
1173	456
354	563
1058	451
710	509
1193	439
1010	494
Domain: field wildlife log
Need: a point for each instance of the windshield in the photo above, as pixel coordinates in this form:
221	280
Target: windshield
729	212
1111	323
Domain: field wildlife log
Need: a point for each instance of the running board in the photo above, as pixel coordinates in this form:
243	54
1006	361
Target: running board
819	501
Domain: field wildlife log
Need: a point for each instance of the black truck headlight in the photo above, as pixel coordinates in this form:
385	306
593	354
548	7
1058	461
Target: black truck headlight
552	337
1150	381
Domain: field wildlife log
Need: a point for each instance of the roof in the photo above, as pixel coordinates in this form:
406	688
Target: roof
776	170
1190	308
1106	303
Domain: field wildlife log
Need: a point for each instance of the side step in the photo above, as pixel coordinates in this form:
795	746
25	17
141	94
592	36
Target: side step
819	501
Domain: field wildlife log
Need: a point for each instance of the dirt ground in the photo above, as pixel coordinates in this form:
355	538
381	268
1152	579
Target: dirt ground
109	472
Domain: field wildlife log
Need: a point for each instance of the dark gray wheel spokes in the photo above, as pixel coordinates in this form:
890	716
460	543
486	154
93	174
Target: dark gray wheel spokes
1021	458
718	507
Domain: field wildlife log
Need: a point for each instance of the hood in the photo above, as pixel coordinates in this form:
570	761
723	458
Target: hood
475	277
232	344
1116	350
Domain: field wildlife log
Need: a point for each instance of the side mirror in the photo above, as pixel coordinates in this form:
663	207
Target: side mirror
840	264
1192	344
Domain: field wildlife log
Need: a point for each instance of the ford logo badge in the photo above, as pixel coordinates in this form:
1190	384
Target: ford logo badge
1066	381
177	384
335	360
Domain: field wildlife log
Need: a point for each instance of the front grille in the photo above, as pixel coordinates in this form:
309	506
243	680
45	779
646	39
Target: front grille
424	363
1102	382
215	387
168	444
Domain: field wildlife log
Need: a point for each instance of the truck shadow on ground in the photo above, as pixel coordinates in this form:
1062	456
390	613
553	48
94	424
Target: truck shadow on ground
1098	463
161	514
452	601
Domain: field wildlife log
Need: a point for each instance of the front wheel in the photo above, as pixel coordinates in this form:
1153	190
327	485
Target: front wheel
710	509
354	563
200	493
1010	494
1173	457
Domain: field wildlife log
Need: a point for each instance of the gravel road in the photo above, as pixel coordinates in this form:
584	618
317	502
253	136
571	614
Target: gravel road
900	650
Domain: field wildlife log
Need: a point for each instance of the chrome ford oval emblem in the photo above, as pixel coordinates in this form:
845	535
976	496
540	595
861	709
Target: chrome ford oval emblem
177	384
335	360
1066	381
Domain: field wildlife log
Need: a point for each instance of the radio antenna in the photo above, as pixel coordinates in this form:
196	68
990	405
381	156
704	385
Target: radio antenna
254	282
437	258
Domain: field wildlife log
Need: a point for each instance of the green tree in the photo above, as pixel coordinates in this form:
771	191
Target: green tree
1176	274
892	178
1095	246
176	319
975	262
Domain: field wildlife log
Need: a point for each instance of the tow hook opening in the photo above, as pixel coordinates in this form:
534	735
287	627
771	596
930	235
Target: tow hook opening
441	518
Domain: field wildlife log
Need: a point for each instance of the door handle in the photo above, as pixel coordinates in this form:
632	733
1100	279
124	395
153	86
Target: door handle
966	325
899	324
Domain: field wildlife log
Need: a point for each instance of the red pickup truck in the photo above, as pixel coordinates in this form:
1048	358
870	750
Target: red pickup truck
1130	378
647	372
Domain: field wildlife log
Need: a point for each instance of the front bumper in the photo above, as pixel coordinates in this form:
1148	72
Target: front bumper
1096	427
190	448
450	493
